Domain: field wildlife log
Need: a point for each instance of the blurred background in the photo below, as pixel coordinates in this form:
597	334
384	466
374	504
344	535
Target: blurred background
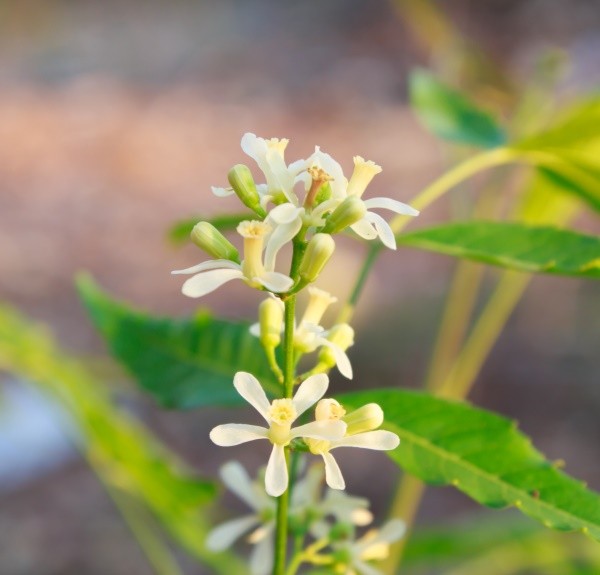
115	120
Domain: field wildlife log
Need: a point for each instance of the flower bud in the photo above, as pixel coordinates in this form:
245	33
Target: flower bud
213	242
329	410
341	335
365	418
243	185
270	317
319	250
350	211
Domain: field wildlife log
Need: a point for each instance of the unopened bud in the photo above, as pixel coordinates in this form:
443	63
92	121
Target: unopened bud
341	335
319	250
243	185
329	410
365	418
270	317
213	242
350	211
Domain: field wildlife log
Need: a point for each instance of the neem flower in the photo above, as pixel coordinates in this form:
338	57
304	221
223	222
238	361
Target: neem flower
212	274
279	415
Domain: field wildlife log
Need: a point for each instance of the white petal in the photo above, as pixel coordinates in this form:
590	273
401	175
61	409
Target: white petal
389	204
285	213
222	192
365	569
384	231
209	265
261	557
333	474
298	166
327	430
364	229
324	207
327	163
255	329
379	440
253	146
207	282
275	282
230	434
226	534
341	359
281	235
391	531
276	477
237	480
310	391
251	390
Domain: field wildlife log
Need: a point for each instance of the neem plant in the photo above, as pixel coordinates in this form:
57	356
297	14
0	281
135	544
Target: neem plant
300	517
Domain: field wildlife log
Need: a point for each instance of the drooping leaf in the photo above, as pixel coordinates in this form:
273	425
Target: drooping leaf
450	115
484	456
513	245
180	231
182	363
125	454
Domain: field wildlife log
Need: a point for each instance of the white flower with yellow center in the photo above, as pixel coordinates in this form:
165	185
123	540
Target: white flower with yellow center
359	433
212	274
279	414
353	557
261	521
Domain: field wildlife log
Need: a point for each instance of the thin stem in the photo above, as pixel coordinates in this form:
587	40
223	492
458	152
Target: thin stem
492	320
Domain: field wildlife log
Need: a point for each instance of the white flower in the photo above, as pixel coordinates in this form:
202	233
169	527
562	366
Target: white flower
236	479
379	440
373	225
212	274
373	546
279	415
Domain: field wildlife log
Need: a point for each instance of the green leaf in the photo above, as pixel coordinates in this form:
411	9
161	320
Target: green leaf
513	245
180	231
124	454
182	363
484	456
450	115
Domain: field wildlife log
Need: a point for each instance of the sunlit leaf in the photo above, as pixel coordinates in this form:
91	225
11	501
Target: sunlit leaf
484	456
450	115
182	363
180	231
127	457
513	245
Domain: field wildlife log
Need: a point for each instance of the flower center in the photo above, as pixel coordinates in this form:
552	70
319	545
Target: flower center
282	411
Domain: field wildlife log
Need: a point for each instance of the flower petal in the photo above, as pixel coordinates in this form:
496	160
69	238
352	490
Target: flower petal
364	229
275	282
222	192
364	568
255	329
333	474
393	205
341	359
223	536
281	235
230	434
261	557
310	391
251	390
276	477
207	282
327	430
384	231
209	265
284	214
391	531
379	440
237	480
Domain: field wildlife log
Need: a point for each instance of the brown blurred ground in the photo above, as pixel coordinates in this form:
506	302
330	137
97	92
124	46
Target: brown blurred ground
115	118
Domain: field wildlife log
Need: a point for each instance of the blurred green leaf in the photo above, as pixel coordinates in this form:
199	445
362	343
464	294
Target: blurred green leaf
121	450
450	115
483	455
180	231
182	363
513	245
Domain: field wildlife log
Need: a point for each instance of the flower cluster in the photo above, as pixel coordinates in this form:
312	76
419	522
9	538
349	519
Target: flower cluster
332	518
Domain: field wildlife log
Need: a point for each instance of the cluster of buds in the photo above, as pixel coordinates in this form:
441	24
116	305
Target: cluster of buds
332	518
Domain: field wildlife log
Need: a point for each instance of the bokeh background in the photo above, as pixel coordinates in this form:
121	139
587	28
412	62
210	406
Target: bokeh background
115	119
